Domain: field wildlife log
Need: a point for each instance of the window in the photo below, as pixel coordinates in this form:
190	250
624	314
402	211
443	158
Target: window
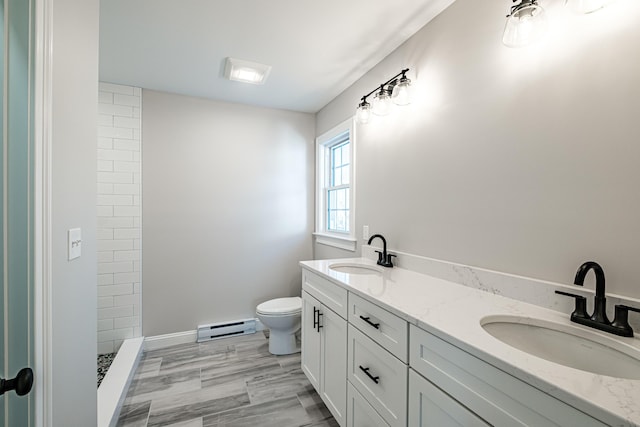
337	197
335	187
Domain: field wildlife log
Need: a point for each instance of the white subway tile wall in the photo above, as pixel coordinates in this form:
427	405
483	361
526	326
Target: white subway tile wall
119	212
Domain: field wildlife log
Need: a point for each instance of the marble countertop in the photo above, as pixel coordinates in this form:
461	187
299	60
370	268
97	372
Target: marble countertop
453	312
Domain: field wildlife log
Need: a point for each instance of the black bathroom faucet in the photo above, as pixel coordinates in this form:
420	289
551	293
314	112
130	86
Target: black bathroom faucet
598	320
384	259
600	307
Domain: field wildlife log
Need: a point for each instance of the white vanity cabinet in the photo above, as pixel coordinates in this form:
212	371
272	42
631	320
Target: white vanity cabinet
485	392
334	350
324	341
376	365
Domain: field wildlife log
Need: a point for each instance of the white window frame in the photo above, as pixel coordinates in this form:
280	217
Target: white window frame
324	143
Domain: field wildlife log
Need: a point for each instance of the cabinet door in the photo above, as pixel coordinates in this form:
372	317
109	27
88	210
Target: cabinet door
333	369
431	407
360	413
311	338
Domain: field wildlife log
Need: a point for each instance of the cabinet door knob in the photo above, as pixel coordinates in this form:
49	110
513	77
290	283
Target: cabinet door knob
366	371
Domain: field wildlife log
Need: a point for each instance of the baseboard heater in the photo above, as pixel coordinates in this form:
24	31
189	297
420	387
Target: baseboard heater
215	331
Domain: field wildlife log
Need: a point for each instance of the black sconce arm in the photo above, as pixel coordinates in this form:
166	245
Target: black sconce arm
391	82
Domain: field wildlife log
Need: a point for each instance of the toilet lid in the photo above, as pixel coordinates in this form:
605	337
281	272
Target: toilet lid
281	306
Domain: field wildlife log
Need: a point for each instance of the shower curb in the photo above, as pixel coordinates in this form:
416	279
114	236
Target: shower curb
114	386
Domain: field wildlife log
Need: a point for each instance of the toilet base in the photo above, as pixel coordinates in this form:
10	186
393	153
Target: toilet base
282	343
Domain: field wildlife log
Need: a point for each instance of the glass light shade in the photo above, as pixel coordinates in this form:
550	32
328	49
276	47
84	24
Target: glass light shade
587	6
363	113
401	94
382	103
525	25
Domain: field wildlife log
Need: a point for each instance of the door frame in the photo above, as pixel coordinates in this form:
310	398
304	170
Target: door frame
43	278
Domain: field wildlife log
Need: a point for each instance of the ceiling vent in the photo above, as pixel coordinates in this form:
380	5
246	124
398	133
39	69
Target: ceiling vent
246	71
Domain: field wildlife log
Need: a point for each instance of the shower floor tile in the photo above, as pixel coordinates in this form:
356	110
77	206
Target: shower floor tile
228	382
104	363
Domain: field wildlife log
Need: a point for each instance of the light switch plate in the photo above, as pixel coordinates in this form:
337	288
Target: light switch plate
75	243
365	232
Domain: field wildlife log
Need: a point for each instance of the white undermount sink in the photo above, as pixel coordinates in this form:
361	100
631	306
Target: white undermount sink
352	268
567	345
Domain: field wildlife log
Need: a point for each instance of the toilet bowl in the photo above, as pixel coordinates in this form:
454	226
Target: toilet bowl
282	317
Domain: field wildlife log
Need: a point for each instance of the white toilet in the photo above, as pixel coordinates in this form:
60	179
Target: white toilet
282	317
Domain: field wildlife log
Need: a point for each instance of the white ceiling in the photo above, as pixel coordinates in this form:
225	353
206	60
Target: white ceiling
316	49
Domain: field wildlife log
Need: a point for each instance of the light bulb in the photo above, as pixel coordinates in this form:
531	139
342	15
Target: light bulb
402	92
526	24
587	6
382	103
363	113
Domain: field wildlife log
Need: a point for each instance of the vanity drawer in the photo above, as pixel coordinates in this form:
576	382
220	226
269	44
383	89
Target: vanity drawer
492	394
388	330
378	376
360	413
327	292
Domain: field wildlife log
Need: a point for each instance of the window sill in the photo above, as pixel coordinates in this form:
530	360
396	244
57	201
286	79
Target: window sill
346	243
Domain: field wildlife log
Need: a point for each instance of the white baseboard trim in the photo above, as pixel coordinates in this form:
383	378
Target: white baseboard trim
114	386
168	340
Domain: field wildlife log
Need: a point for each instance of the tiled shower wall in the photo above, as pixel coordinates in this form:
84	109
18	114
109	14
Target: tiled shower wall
119	216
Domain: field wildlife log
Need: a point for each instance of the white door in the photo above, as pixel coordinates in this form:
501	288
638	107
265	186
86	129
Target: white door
16	213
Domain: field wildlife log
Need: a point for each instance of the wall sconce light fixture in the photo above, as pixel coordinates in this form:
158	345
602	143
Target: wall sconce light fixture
527	21
382	102
396	90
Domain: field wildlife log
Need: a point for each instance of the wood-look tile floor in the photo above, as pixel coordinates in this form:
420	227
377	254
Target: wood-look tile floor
233	382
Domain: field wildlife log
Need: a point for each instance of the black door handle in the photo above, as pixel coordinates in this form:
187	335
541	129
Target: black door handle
368	320
319	325
315	322
366	371
22	383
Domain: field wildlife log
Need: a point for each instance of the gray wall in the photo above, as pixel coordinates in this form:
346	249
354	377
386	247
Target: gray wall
75	100
227	209
522	161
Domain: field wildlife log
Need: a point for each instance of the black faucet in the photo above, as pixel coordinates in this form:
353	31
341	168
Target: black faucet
598	320
384	259
600	308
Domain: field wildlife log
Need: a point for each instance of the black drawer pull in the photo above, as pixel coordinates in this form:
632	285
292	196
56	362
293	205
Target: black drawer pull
366	371
367	319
